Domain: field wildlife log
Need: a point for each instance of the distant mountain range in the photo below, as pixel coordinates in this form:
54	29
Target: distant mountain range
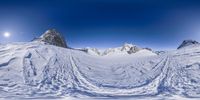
53	37
126	49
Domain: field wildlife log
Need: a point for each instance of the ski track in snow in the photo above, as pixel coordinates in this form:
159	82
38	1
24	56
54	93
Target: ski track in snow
33	70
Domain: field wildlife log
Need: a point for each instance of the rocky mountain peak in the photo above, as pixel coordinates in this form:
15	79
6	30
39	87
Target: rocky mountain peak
53	37
187	43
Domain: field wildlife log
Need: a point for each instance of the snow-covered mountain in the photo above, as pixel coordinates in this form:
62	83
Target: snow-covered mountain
186	43
92	51
124	50
39	70
52	37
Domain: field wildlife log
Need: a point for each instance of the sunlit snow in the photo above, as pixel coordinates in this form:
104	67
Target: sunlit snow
36	70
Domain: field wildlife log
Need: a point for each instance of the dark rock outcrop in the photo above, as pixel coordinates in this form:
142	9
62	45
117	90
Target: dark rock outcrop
133	49
53	37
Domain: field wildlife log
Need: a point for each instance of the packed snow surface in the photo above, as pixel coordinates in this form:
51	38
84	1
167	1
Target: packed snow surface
36	70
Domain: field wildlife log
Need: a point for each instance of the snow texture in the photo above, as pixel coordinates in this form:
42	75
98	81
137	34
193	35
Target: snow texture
36	70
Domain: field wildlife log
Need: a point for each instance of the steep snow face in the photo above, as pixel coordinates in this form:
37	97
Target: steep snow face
38	70
52	37
186	43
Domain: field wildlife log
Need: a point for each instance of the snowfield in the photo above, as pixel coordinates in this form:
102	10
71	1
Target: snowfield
35	70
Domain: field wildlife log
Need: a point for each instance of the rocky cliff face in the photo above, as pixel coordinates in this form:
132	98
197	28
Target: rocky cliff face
188	43
53	37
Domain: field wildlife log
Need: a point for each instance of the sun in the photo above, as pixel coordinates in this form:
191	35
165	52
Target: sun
6	34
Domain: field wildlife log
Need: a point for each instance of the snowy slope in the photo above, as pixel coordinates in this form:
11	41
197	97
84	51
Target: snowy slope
37	70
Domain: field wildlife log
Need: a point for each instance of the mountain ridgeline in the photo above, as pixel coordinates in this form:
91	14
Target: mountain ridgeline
52	37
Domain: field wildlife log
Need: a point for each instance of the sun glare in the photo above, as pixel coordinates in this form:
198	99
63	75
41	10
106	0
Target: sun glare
6	34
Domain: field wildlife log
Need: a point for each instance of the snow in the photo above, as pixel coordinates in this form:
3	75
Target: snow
125	50
119	50
35	70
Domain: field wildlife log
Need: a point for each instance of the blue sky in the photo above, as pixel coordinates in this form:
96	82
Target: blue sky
158	24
